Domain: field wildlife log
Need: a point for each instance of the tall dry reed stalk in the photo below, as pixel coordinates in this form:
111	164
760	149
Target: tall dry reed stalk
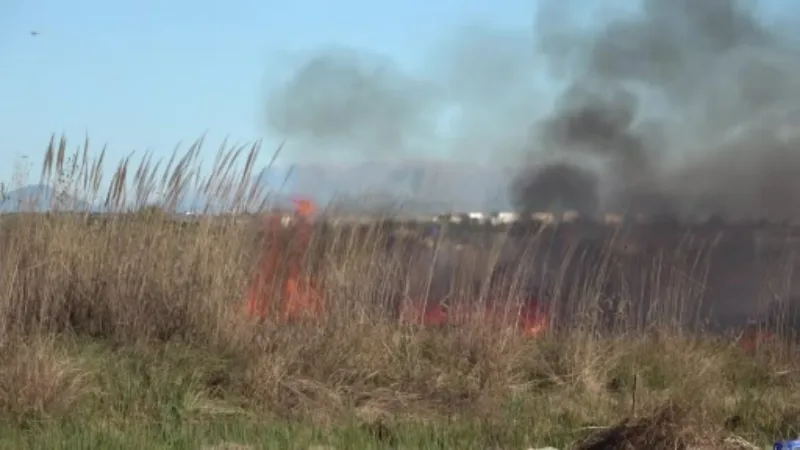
139	273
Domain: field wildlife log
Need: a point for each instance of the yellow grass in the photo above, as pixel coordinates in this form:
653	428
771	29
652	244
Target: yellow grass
135	318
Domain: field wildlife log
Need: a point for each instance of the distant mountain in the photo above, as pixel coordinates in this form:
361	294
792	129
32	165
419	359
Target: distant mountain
419	185
413	186
39	198
197	202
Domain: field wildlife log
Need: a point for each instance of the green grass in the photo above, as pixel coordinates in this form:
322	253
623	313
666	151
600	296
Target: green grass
177	397
174	397
226	435
129	333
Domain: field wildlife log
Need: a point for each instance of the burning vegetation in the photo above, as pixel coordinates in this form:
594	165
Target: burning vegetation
283	285
151	295
651	109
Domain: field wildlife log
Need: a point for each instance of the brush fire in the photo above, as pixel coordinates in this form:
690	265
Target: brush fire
282	277
299	293
284	289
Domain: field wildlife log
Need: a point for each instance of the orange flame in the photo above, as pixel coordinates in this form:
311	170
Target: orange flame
300	296
304	208
532	321
753	338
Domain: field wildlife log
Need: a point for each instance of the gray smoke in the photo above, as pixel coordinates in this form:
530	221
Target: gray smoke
685	108
557	186
352	103
443	135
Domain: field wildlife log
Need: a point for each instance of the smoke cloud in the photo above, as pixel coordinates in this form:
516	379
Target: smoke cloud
685	107
353	104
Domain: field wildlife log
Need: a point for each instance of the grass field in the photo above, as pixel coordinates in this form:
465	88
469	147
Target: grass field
129	333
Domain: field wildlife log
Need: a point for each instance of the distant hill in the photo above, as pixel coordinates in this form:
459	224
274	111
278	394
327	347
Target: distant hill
422	185
39	198
414	186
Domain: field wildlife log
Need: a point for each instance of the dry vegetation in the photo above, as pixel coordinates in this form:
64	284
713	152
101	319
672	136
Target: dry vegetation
128	332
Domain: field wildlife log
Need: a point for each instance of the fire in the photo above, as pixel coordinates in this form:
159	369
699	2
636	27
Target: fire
301	297
304	208
534	321
531	320
753	338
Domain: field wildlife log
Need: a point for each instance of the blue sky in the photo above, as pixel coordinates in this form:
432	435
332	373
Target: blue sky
146	74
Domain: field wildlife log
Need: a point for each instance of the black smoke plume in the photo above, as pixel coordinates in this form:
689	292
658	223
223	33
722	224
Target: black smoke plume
682	107
685	107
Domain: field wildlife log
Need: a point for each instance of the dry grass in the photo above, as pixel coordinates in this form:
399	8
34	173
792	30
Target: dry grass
37	381
139	318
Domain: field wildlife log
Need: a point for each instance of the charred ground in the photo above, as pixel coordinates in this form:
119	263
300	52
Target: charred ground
710	276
